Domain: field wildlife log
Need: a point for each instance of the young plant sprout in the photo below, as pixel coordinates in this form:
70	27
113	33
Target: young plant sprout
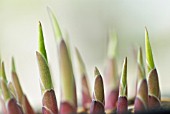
98	102
86	97
141	101
68	86
122	104
153	81
48	95
111	75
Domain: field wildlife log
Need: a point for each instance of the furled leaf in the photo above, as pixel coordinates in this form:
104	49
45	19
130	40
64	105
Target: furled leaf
123	80
42	49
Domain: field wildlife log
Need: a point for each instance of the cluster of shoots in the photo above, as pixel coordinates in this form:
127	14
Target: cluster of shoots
109	91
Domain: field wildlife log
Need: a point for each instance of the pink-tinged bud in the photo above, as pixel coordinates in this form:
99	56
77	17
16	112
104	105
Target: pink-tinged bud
66	108
13	107
112	88
153	89
26	106
112	99
96	108
154	103
141	101
86	97
122	105
49	102
139	106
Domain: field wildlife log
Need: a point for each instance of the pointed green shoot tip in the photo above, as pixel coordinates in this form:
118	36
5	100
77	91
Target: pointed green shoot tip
80	63
3	74
42	49
55	25
96	72
45	76
123	80
149	56
5	91
13	65
112	44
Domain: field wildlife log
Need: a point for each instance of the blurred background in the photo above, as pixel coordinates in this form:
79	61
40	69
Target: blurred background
87	24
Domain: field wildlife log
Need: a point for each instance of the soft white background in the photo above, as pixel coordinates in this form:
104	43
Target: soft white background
87	22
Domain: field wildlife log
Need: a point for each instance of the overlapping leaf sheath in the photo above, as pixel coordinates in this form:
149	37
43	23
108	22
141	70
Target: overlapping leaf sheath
111	76
153	81
48	95
86	97
98	102
122	103
10	102
18	92
68	87
141	101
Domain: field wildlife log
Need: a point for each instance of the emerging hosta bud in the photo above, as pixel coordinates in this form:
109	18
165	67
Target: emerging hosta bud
67	81
141	101
86	97
111	75
48	95
68	86
97	105
122	103
153	81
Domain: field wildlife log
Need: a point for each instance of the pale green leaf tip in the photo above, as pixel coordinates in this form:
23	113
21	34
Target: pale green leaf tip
140	57
13	65
124	73
3	73
5	91
96	72
55	24
80	62
41	45
112	44
149	56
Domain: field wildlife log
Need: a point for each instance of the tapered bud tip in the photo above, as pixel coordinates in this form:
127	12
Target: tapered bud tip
124	70
96	71
123	81
80	62
56	27
140	57
42	49
3	74
13	65
149	56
